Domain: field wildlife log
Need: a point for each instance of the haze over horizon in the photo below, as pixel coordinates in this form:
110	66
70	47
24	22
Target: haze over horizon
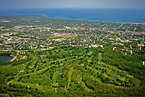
8	4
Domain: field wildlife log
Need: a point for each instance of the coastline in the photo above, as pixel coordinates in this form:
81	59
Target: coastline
93	20
83	20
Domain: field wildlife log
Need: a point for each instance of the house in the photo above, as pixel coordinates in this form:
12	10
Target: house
97	45
141	44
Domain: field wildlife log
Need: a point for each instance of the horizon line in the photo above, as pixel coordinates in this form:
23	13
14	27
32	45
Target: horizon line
72	8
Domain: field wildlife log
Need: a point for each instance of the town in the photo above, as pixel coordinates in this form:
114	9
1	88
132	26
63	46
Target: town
41	33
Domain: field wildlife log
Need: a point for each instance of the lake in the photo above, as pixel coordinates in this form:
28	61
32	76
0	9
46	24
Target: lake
5	57
85	14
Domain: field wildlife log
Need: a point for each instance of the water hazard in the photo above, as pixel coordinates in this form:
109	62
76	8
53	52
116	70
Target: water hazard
5	57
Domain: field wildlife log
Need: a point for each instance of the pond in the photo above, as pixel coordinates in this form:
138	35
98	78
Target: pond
115	78
106	81
114	72
5	57
130	79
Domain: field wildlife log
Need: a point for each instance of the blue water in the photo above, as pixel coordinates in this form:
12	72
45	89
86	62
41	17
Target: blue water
5	57
90	14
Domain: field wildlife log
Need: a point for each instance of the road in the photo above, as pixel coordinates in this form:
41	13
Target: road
104	37
29	50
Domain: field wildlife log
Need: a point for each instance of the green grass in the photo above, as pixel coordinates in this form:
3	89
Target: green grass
38	29
79	79
136	81
90	53
54	29
3	32
11	69
99	57
55	75
61	38
32	65
69	75
110	36
39	87
33	73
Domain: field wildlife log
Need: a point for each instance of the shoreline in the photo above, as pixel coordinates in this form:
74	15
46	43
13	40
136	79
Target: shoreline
78	19
14	57
93	20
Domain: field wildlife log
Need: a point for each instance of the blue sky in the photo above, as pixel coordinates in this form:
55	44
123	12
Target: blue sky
72	3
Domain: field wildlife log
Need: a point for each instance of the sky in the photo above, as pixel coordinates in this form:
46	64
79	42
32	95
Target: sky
72	4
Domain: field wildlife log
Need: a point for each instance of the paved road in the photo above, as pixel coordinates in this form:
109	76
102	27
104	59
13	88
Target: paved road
28	50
